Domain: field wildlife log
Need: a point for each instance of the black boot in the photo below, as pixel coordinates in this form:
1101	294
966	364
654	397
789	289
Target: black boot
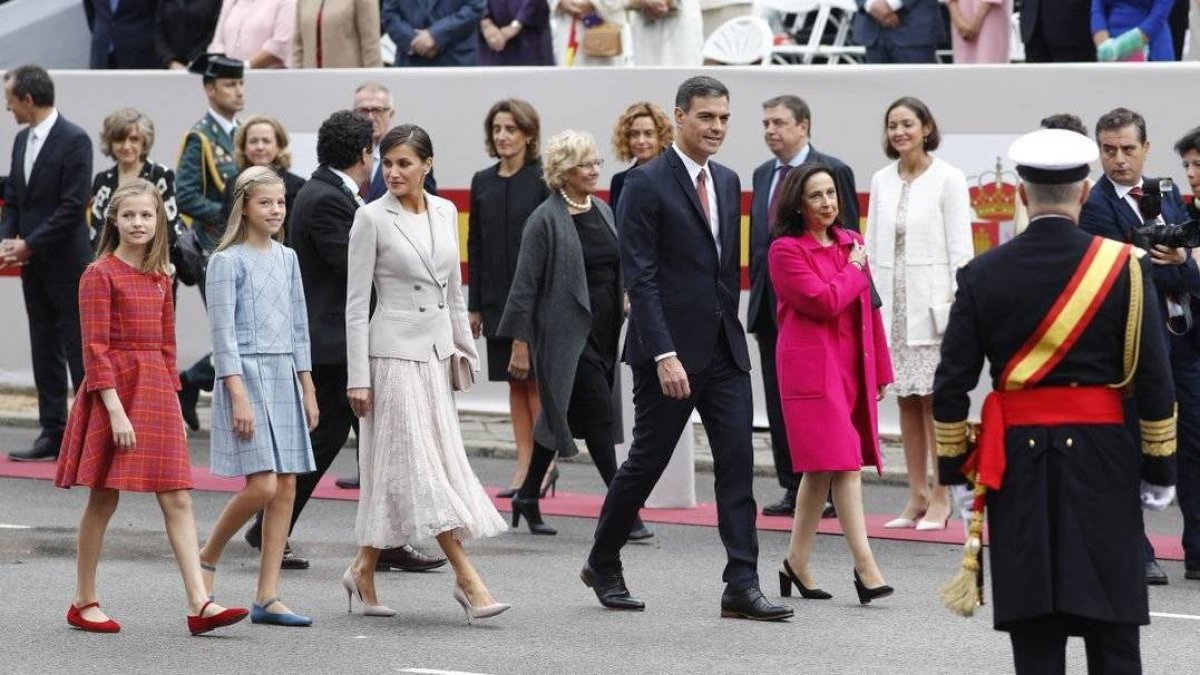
189	395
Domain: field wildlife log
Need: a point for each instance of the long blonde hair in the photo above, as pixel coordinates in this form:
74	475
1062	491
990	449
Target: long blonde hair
247	183
158	256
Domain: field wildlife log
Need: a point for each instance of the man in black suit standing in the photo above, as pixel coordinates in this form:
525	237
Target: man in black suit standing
43	230
787	123
122	33
320	235
1112	211
680	254
1057	31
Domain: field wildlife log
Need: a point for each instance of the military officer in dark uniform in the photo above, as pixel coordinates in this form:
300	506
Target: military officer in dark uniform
206	163
1069	323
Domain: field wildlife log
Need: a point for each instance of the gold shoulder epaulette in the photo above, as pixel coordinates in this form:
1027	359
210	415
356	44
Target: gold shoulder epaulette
1158	437
951	438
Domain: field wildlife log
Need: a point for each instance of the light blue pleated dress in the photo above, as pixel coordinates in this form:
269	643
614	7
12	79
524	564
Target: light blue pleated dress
259	327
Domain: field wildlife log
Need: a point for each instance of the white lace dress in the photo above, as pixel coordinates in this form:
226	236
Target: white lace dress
914	365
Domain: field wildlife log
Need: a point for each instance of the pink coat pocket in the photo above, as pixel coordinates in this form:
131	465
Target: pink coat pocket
801	372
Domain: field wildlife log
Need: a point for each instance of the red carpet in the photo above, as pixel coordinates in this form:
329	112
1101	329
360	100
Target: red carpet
582	505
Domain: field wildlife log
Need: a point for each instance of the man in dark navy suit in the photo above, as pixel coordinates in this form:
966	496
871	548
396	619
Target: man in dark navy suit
1057	31
680	254
787	123
1112	211
373	100
122	33
898	31
43	231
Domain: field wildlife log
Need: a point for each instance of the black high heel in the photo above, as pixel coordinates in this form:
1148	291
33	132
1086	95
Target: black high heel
788	578
507	493
866	595
533	516
551	484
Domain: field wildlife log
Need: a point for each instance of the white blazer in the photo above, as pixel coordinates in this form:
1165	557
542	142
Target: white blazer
419	314
937	242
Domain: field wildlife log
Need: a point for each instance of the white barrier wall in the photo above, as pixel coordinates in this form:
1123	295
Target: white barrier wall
847	104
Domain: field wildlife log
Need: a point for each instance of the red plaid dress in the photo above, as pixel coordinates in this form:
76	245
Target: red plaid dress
128	330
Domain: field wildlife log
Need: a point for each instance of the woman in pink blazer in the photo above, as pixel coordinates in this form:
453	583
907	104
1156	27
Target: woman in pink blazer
833	366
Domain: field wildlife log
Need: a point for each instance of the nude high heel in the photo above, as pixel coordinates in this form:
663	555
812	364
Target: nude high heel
473	612
351	585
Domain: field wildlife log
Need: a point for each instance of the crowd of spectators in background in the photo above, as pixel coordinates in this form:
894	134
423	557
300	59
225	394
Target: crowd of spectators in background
402	33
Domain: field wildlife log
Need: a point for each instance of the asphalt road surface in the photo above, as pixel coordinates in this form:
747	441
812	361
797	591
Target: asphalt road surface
556	625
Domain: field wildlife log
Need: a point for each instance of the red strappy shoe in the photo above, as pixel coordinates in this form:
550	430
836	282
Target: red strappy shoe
201	624
75	618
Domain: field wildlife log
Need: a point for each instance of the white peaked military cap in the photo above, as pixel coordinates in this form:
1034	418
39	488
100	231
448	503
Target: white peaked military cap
1053	156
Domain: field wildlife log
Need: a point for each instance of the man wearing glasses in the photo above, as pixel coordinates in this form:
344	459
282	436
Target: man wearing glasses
375	101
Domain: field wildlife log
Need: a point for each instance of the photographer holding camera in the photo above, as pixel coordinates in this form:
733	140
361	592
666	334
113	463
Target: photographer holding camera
1129	207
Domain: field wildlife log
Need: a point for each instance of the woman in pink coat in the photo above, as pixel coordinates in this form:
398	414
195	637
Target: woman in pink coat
833	366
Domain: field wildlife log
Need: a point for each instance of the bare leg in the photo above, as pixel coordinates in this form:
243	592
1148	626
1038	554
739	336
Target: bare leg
101	505
364	573
916	457
847	498
176	506
522	421
810	502
277	518
466	576
251	499
939	501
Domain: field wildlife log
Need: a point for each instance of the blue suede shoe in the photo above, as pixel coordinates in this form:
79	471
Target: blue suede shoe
259	614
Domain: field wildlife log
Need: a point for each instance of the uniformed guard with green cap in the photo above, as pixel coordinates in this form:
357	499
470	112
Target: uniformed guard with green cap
206	160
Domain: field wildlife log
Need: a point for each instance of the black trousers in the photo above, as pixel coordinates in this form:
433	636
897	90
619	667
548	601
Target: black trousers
1040	645
1039	50
53	313
202	374
721	393
337	419
780	451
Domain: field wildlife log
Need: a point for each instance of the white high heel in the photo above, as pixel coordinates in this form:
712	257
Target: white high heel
900	524
351	585
484	612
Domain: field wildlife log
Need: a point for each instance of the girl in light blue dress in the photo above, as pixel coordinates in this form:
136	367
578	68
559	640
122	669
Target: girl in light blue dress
264	404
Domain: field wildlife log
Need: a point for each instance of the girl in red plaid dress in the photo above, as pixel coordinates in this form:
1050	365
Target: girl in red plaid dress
125	431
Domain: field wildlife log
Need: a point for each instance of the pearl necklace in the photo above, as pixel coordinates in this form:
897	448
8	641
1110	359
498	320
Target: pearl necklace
585	206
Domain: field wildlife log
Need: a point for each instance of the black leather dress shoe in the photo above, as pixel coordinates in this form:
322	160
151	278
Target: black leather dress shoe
44	449
1191	569
347	483
784	507
407	559
639	531
189	395
1155	576
291	561
829	511
610	590
751	604
253	536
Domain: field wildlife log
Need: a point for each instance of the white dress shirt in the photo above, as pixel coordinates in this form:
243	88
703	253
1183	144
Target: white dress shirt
227	125
693	169
37	138
1123	193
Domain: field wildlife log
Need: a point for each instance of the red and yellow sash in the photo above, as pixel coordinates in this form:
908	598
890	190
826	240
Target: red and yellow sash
1070	315
1017	402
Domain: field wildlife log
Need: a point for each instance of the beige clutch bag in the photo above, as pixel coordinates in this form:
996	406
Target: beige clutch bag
462	373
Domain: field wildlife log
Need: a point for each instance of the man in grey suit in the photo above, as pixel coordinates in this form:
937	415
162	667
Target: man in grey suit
898	31
787	122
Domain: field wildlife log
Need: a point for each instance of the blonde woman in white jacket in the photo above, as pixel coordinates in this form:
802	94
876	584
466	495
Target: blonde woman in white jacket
918	234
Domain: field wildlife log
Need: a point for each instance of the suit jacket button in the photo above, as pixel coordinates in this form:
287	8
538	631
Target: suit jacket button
1032	443
1070	442
422	308
441	305
416	288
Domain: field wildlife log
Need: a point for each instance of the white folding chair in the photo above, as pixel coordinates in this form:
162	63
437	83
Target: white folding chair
740	41
841	14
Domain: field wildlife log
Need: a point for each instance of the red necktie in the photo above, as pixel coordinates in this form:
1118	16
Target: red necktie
1136	193
702	193
774	201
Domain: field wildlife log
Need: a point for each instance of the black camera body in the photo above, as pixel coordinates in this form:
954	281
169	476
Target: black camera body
1157	233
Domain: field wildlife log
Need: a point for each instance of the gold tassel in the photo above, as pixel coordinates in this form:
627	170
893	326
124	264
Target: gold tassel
964	593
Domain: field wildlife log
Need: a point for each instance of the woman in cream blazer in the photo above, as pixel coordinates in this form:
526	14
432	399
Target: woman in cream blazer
918	234
415	481
347	32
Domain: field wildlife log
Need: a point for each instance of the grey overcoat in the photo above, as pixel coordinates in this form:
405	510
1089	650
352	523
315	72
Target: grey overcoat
549	307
